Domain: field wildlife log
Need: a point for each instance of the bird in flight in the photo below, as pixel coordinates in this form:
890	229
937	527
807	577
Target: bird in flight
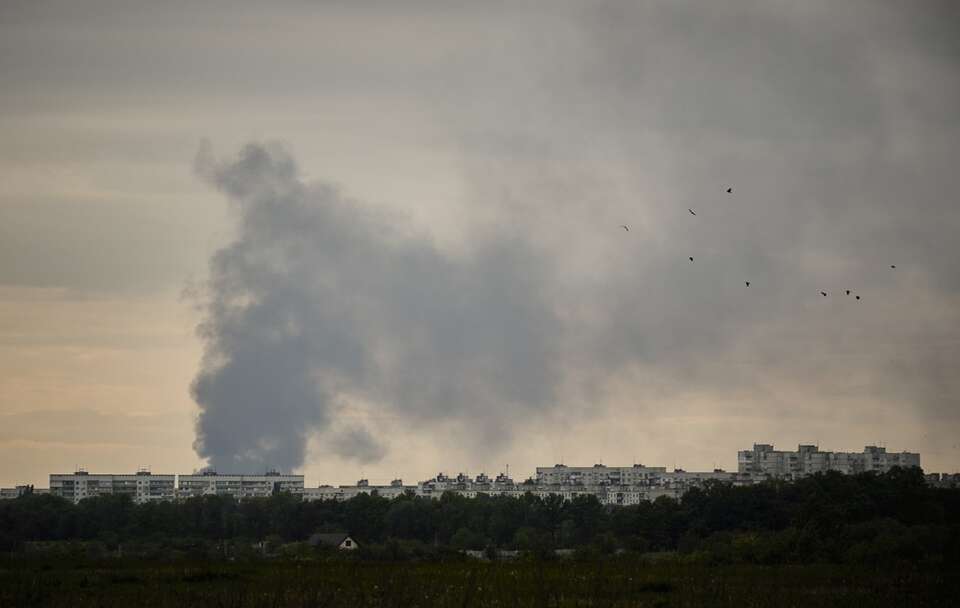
624	226
893	265
729	190
691	211
858	297
748	283
691	258
848	292
823	293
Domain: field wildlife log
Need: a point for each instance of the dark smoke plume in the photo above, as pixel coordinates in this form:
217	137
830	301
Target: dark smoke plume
320	300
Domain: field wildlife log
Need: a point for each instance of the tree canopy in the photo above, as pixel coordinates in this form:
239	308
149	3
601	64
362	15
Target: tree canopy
825	517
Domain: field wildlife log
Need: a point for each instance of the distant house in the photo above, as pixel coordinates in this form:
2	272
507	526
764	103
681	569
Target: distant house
339	540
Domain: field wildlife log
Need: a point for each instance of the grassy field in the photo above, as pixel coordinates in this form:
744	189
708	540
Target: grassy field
556	583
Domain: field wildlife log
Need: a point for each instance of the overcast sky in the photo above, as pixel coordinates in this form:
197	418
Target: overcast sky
397	228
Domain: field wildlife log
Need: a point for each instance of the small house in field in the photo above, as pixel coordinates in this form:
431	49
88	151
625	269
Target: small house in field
337	540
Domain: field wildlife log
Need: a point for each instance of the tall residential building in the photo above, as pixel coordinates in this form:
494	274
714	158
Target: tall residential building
239	486
142	486
763	461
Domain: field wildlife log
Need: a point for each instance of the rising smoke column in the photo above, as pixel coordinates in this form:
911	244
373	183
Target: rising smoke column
320	299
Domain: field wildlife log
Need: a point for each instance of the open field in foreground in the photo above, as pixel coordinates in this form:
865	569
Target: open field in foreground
618	582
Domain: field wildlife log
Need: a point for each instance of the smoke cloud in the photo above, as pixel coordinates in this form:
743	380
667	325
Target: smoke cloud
321	300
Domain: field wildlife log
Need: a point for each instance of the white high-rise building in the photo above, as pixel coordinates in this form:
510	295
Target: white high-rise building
142	486
239	486
765	462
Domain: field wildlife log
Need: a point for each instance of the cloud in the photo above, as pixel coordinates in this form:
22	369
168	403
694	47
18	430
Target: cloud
356	443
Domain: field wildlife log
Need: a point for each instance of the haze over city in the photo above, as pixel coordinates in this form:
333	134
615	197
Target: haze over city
384	239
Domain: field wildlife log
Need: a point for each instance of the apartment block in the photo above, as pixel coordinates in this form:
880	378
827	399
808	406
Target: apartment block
142	486
765	462
326	492
239	486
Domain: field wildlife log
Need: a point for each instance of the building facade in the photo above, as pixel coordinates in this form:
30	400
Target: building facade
626	485
239	486
610	485
764	462
327	492
142	486
943	480
18	491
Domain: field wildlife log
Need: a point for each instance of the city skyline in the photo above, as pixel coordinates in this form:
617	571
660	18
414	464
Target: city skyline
344	477
835	460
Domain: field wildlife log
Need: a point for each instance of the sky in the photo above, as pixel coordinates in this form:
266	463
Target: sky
381	239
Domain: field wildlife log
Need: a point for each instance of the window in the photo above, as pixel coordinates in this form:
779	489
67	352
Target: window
347	543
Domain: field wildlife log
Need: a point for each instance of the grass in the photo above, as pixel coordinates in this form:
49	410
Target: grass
563	583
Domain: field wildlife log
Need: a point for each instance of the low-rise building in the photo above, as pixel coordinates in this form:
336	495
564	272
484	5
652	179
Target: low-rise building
391	491
610	485
15	492
943	480
462	484
336	540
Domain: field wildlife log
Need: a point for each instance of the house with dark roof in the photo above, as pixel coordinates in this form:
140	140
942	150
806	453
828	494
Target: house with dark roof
337	540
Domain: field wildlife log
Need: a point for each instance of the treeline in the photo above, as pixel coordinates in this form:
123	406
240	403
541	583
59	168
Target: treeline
824	518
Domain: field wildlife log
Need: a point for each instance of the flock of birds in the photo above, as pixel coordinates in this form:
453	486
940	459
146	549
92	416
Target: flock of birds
730	191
